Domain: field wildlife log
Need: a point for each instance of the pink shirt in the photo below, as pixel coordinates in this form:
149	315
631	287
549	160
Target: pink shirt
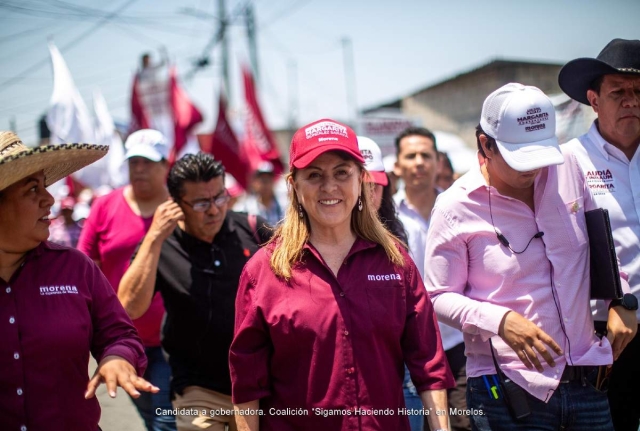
474	280
110	235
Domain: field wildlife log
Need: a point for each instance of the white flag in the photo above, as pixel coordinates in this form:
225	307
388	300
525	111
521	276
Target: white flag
106	134
69	119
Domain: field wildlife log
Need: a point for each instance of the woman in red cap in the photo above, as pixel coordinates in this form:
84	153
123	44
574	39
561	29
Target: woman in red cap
329	311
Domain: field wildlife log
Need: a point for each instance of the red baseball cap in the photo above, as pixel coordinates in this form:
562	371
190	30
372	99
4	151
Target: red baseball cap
321	136
67	203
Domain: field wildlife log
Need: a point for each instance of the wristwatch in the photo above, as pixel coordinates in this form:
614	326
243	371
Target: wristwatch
628	301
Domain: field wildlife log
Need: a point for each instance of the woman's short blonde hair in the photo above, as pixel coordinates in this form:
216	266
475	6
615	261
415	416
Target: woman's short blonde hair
291	236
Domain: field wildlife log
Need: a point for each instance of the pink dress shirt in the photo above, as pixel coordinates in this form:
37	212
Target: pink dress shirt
474	280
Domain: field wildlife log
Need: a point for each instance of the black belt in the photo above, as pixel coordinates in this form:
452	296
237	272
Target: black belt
575	373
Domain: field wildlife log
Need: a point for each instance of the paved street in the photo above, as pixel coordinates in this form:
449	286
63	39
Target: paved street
118	414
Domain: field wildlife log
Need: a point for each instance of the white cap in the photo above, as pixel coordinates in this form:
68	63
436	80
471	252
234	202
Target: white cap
372	160
265	167
147	143
522	120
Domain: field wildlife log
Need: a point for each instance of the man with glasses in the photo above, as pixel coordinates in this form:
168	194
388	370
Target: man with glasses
193	255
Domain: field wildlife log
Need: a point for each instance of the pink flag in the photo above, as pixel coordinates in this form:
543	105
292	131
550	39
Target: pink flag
223	144
259	143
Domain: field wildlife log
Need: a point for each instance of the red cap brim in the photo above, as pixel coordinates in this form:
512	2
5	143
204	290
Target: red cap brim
377	177
305	160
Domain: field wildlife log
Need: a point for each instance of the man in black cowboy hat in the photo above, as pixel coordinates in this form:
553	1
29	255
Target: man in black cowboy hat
609	157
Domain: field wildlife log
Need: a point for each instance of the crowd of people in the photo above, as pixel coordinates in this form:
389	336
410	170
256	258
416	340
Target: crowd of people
374	296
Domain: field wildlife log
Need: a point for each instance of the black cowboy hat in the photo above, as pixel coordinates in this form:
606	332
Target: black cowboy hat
619	56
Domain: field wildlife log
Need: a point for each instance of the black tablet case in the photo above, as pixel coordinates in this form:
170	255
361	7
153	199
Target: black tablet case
605	275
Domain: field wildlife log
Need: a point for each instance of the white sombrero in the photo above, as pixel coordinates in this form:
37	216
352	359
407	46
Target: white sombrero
18	161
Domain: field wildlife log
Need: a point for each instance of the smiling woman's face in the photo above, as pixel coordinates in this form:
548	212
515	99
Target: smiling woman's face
25	207
328	190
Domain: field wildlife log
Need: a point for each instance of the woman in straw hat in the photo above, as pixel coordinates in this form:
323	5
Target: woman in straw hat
329	311
56	307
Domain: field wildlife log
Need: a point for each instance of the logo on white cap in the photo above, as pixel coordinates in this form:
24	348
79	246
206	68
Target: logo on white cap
367	155
522	121
371	154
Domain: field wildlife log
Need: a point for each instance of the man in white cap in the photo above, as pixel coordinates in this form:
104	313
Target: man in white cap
509	265
609	158
116	224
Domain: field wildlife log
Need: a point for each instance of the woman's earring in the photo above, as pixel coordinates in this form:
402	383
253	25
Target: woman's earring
359	203
300	212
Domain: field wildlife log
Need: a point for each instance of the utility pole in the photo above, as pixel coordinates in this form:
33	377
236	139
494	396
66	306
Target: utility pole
12	124
350	79
224	21
293	95
251	36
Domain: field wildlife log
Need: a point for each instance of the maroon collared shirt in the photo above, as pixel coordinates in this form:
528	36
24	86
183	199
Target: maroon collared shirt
326	353
56	309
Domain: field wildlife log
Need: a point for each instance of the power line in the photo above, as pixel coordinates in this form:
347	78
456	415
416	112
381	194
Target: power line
9	83
203	61
70	11
285	11
31	31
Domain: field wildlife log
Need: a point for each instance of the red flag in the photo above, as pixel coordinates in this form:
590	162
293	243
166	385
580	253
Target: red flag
185	115
223	144
161	104
259	144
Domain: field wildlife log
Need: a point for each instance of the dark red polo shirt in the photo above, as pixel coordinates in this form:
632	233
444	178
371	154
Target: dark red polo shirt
56	309
334	346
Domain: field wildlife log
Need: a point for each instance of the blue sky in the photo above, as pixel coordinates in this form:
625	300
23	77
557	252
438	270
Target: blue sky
398	47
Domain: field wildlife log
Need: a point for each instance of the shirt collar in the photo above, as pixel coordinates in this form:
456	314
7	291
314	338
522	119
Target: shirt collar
42	248
598	141
472	180
606	148
45	246
401	200
359	245
191	240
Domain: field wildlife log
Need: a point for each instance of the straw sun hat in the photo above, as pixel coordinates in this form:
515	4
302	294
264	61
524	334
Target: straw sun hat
18	161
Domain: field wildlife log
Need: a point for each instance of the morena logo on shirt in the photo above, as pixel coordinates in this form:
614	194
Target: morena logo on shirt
384	277
58	290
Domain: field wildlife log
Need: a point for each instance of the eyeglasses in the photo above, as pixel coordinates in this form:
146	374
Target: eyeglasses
203	205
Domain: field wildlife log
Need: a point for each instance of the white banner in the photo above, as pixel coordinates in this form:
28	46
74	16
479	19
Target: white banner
383	129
